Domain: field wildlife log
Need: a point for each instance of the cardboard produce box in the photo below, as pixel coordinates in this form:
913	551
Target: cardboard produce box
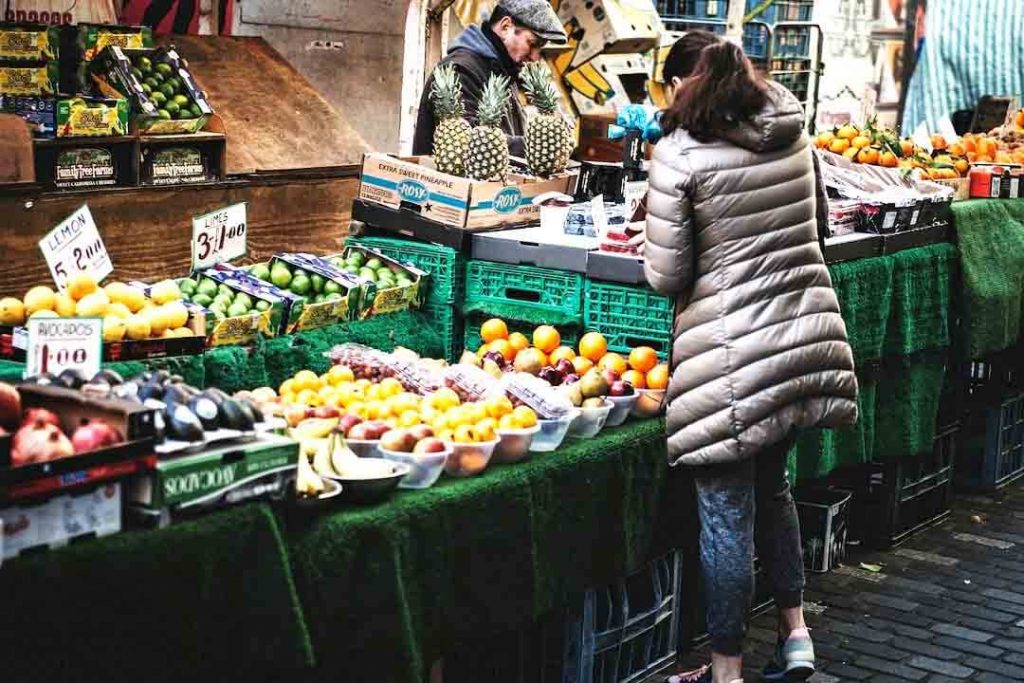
610	26
602	86
29	41
217	477
59	520
382	298
28	78
63	116
347	303
282	308
414	184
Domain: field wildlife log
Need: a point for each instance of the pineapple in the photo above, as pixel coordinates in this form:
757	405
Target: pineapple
487	154
451	136
548	140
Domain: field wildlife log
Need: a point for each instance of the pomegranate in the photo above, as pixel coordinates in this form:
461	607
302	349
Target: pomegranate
94	434
39	441
33	415
10	406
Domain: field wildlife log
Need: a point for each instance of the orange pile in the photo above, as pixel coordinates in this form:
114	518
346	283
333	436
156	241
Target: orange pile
883	147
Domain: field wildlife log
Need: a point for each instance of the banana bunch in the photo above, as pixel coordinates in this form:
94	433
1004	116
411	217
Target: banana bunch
323	453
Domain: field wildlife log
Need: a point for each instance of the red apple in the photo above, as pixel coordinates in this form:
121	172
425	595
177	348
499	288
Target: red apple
420	432
610	376
620	388
293	415
326	412
429	445
397	440
571	379
362	432
347	422
378	429
565	367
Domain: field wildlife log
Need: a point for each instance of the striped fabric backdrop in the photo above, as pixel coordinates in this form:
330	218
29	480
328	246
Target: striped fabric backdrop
971	48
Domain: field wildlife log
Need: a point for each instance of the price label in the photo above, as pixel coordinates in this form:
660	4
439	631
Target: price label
634	192
57	344
598	215
75	246
218	236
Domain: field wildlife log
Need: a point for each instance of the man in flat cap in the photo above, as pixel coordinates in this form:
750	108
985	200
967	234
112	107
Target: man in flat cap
512	37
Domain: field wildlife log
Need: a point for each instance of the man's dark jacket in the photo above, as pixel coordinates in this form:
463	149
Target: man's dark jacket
476	53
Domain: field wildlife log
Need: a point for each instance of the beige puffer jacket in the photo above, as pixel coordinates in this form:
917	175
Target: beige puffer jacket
760	347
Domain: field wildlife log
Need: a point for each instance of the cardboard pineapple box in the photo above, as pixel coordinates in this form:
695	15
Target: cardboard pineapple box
610	26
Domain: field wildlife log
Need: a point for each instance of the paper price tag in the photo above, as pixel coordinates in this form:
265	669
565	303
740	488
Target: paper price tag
219	236
598	215
634	192
75	246
57	344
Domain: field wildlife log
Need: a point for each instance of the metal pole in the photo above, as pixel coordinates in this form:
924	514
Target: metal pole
734	21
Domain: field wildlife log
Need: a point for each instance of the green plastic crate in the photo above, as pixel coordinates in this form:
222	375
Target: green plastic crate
535	295
629	316
570	333
448	324
447	266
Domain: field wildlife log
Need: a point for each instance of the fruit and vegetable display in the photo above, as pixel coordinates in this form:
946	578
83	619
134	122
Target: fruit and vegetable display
129	312
875	145
165	89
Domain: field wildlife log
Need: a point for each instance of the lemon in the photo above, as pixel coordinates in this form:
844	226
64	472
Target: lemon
165	291
307	379
44	313
12	311
114	329
93	305
38	299
120	310
65	306
118	292
340	373
134	298
176	314
157	320
137	327
81	285
168	334
183	332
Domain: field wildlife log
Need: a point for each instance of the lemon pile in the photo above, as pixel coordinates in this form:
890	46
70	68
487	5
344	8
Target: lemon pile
126	311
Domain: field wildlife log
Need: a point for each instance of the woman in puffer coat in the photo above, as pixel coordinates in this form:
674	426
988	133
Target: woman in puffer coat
759	350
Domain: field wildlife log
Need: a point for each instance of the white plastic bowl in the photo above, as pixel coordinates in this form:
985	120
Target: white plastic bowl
649	403
469	459
365	449
514	444
621	407
552	432
426	467
590	422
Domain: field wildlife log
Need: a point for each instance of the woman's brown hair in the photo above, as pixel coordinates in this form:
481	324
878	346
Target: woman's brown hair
723	92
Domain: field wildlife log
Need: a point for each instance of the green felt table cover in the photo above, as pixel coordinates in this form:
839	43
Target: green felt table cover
387	589
990	233
191	368
209	599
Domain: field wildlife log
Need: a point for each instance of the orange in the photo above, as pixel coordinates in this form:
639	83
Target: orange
593	346
518	341
643	358
957	149
1019	118
614	362
658	377
839	145
907	146
970	145
503	347
635	379
824	138
851	153
581	365
860	141
867	155
847	132
546	338
962	166
938	142
888	159
493	330
561	352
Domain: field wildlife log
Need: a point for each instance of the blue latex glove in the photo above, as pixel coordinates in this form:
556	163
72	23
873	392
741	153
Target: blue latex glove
641	117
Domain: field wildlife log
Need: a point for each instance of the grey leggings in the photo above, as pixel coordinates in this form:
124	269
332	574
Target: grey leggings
729	498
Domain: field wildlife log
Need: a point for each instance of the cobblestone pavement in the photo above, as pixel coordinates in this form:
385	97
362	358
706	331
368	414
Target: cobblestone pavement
947	605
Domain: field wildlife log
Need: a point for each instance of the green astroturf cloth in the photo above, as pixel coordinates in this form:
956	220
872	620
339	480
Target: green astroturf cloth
991	238
898	404
209	599
864	290
387	589
189	367
516	311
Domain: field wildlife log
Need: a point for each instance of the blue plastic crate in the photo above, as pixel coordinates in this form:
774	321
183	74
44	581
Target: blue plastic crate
993	453
624	632
767	15
791	41
755	41
693	9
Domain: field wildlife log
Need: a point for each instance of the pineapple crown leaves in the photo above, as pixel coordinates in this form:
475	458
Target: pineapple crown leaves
540	91
446	92
493	100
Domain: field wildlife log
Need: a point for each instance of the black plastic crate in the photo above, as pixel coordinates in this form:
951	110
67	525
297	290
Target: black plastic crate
997	376
896	498
694	9
824	522
992	451
626	631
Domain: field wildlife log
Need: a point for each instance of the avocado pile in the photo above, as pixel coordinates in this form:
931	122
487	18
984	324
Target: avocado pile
373	269
315	288
219	299
164	89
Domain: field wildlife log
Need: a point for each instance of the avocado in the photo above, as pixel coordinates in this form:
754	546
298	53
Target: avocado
175	393
216	395
72	378
182	424
151	390
206	410
234	416
257	414
111	377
